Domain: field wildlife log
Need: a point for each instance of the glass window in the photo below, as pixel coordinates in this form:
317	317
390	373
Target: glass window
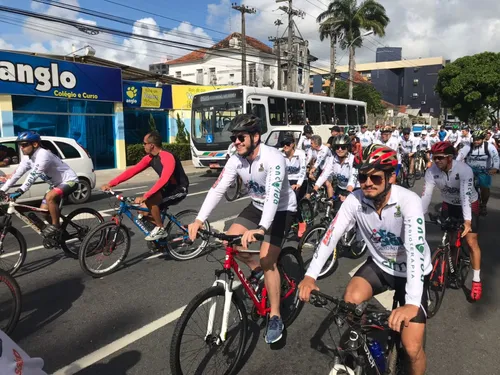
277	111
39	104
275	138
258	110
361	115
50	146
313	113
82	106
12	151
327	113
352	115
295	111
340	114
69	151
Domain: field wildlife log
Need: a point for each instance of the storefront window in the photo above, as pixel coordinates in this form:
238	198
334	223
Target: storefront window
38	104
138	124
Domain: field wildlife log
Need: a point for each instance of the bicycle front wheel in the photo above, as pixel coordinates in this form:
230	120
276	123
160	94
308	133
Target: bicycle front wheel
310	242
10	302
75	228
104	249
438	281
176	243
291	269
198	344
233	192
13	250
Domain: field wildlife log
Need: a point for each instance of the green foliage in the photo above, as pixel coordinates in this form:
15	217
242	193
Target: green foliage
470	87
363	92
152	123
182	136
136	152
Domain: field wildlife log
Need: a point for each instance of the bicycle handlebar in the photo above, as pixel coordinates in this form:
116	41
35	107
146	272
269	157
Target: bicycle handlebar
229	238
319	299
120	197
449	224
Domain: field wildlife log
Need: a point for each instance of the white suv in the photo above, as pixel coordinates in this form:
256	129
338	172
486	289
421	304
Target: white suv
70	152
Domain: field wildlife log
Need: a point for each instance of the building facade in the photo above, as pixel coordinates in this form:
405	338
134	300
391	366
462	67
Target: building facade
159	68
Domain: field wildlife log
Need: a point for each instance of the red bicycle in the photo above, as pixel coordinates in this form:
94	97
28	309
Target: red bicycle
210	335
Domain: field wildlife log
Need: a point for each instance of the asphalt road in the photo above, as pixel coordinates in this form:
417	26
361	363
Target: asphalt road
123	323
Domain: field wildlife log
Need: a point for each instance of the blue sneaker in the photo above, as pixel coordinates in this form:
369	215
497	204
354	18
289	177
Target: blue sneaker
274	330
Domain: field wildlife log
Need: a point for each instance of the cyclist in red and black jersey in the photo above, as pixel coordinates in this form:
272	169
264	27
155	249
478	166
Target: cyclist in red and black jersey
171	187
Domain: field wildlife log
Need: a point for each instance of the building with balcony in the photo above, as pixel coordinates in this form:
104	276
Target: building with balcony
159	68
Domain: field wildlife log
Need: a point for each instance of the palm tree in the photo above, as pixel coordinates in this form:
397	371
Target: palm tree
327	29
347	18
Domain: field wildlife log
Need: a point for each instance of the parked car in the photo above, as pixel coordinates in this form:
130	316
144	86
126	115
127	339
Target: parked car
70	152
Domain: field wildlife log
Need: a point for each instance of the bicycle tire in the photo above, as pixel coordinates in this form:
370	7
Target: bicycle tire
82	231
14	288
23	250
171	225
235	193
290	312
397	360
86	249
202	298
325	271
436	288
464	266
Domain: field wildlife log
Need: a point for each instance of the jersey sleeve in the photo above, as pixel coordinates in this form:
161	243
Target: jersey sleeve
458	141
131	172
214	195
495	160
300	144
415	246
462	154
429	184
344	219
20	170
321	155
466	186
302	174
40	164
309	156
325	173
274	180
168	166
353	178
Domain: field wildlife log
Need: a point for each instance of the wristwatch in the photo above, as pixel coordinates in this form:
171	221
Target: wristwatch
262	228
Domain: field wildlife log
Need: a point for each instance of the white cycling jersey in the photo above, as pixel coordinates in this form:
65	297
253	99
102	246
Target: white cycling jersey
408	146
478	158
296	166
433	141
15	361
322	156
376	134
45	165
452	136
423	144
464	140
366	138
456	186
395	239
391	143
265	179
344	173
304	143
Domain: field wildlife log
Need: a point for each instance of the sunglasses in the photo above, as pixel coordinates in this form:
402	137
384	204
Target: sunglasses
375	178
239	137
439	157
25	144
283	144
340	147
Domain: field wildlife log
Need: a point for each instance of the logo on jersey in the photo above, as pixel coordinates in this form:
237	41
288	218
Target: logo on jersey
277	184
395	266
293	170
386	238
328	234
261	168
255	188
457	177
218	180
398	211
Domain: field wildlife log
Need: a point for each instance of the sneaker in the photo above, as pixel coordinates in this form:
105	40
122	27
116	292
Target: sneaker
156	234
274	330
476	291
256	276
50	231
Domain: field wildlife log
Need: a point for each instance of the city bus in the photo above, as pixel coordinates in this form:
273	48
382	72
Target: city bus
280	111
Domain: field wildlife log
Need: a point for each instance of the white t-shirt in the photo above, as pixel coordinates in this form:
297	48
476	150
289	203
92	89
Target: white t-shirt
15	361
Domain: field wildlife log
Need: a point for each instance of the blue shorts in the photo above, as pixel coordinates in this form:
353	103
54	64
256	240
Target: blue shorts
483	179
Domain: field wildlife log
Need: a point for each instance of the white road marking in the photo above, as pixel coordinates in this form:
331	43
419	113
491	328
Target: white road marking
121	343
385	299
198	193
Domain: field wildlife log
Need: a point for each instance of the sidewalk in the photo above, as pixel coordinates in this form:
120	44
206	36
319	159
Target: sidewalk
103	176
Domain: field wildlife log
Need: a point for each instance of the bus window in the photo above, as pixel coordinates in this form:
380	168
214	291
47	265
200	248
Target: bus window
274	139
340	114
258	110
327	115
313	113
361	115
277	111
352	115
295	111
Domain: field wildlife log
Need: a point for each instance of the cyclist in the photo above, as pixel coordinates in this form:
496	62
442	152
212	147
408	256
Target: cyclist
263	170
387	139
365	137
395	132
489	138
334	131
305	142
455	180
442	133
296	170
323	161
483	158
453	135
391	222
464	139
408	147
424	145
48	167
433	138
376	133
171	187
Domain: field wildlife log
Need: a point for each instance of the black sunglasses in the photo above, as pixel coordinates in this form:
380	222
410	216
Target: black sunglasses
24	144
239	137
375	178
439	157
340	147
283	144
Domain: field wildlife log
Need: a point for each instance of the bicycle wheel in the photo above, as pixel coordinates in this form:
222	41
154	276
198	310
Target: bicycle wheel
310	242
291	269
13	250
176	243
198	350
10	302
358	248
233	192
463	266
104	249
397	359
438	281
76	226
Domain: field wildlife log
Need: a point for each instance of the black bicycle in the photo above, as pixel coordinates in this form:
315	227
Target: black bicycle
405	178
10	302
368	346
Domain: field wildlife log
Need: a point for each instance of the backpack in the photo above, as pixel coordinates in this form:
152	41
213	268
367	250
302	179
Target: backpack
486	151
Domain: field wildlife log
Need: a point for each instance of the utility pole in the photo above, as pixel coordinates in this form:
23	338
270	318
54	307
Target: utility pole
277	41
243	9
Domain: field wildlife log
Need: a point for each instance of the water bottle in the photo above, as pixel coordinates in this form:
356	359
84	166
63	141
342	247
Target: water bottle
377	354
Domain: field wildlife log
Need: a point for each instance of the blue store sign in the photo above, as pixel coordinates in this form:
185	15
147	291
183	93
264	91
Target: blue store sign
22	74
146	95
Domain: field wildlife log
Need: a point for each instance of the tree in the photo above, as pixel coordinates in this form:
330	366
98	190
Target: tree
346	18
152	123
181	136
327	30
470	87
364	92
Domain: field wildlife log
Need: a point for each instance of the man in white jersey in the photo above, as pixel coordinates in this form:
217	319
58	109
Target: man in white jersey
387	139
483	158
323	160
48	167
464	139
376	132
455	180
452	135
262	170
391	222
489	138
365	137
305	142
408	148
395	132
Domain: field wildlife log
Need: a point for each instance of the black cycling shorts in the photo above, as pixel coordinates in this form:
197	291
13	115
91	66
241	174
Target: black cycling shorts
64	190
171	196
382	281
250	219
454	211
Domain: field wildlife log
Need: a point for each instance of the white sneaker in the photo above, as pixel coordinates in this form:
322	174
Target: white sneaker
156	234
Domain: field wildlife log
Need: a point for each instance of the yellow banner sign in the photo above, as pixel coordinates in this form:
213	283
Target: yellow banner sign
182	95
151	97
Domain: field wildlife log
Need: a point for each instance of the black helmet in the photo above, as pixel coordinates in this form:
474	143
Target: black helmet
406	131
245	123
341	140
307	129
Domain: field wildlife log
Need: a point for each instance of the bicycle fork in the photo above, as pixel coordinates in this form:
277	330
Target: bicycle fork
228	295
